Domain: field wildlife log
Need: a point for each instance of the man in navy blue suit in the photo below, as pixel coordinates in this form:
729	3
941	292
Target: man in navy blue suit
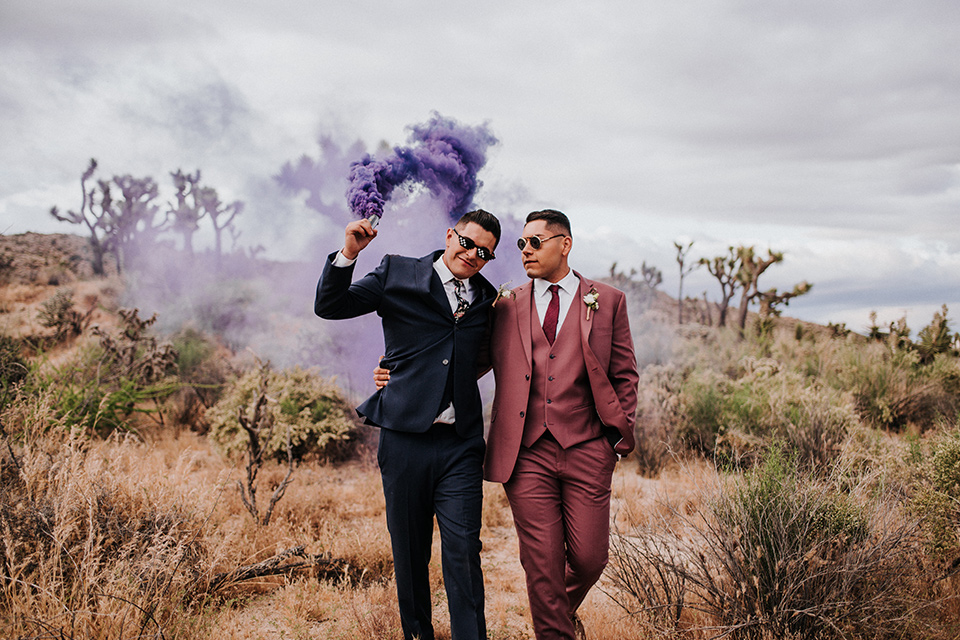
435	315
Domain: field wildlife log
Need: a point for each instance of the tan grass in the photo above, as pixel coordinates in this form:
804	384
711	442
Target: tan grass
330	509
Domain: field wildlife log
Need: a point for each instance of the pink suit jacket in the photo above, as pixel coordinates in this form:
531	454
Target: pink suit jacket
609	357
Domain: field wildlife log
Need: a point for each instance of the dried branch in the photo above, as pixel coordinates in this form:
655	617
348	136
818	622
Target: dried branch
278	565
275	498
259	429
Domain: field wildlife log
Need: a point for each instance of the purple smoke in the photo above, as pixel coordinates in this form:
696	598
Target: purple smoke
444	156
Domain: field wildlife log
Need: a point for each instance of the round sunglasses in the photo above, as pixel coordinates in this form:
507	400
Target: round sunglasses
535	241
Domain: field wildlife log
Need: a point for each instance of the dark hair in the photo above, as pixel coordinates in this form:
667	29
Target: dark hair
483	218
553	218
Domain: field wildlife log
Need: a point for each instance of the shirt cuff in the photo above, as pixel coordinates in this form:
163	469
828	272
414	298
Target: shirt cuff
341	260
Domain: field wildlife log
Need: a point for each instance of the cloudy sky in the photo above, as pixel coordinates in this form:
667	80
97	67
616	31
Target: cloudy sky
827	130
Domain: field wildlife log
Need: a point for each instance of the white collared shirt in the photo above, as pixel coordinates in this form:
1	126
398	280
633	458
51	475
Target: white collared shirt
569	287
447	278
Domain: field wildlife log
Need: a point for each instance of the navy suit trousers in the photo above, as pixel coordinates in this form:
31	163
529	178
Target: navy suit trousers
436	473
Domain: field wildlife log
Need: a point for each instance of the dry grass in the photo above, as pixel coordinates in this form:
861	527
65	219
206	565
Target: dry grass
130	532
117	538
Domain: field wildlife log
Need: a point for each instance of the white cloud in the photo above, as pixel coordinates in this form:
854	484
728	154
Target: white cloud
826	130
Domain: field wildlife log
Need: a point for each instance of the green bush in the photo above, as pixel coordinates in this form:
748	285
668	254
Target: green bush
301	404
893	390
13	366
778	554
736	420
804	553
938	496
129	372
201	364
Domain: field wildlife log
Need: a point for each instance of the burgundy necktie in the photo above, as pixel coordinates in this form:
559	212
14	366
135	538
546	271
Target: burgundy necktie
553	313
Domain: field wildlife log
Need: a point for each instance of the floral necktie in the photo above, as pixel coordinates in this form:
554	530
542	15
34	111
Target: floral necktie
462	303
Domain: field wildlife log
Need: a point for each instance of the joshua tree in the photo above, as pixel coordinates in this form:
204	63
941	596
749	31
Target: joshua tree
685	269
770	300
724	269
186	214
651	275
93	214
133	218
751	267
220	214
114	224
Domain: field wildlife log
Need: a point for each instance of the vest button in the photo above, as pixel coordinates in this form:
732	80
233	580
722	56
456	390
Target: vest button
552	356
550	378
549	401
521	414
527	376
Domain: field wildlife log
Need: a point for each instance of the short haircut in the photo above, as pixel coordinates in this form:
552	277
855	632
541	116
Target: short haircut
553	218
483	218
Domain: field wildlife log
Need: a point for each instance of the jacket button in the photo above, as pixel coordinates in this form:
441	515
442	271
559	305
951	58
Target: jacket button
445	362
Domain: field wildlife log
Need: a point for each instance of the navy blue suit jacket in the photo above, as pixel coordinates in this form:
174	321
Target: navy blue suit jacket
421	339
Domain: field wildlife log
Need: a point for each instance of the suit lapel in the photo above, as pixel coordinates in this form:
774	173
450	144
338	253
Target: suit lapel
586	325
577	306
428	282
524	303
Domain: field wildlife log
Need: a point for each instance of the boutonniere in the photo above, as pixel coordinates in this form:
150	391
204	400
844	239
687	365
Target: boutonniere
591	301
503	292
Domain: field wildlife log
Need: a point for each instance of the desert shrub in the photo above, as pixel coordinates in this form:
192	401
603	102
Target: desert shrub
657	417
13	366
58	313
893	390
777	554
204	367
736	420
193	349
302	405
702	410
936	338
129	372
938	495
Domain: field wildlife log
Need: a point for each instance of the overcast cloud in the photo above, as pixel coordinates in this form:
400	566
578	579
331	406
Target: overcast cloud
826	130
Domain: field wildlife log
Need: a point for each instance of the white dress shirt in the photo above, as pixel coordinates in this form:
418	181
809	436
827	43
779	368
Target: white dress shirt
569	287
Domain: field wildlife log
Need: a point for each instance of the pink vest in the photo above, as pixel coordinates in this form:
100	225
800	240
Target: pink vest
560	399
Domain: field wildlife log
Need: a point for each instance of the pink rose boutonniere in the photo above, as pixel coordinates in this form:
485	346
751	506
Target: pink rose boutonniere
591	300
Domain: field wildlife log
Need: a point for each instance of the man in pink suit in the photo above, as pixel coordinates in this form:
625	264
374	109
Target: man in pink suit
564	408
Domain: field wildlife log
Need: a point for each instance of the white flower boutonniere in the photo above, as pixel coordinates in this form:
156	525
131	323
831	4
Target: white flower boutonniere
503	292
591	300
